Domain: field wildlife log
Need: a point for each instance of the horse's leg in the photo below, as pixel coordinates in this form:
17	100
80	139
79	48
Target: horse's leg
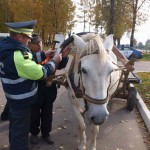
81	127
76	107
94	136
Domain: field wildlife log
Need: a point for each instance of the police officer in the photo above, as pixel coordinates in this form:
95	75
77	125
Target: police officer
42	110
19	72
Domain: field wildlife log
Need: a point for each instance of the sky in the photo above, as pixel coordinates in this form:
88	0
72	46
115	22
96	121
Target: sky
142	33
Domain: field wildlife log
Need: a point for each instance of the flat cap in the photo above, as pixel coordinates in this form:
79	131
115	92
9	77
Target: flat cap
22	27
35	38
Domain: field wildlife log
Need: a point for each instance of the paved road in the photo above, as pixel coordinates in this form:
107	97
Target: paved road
120	132
142	66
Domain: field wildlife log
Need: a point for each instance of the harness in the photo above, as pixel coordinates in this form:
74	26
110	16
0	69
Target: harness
74	78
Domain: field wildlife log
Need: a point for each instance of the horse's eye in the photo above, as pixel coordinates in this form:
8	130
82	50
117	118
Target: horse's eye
111	71
83	70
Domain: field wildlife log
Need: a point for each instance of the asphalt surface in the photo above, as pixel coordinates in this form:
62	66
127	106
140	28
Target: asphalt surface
123	130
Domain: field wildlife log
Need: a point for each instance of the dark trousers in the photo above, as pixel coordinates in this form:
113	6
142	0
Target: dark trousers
19	128
5	113
42	110
41	120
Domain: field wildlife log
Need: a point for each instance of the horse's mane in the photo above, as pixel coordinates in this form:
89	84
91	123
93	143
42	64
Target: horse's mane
94	46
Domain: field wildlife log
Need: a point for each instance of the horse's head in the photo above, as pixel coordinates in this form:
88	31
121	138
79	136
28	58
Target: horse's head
95	74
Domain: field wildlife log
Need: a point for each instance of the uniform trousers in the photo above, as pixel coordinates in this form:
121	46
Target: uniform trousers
5	112
19	116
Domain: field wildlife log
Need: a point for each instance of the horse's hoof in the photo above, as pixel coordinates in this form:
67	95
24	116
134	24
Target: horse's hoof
93	148
81	148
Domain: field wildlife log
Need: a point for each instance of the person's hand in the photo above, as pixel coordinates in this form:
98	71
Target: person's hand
65	52
50	53
57	58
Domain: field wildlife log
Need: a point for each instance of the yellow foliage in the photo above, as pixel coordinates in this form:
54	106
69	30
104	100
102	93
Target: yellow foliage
53	16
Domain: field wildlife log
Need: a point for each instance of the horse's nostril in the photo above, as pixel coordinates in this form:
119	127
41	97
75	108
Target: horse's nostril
92	119
97	121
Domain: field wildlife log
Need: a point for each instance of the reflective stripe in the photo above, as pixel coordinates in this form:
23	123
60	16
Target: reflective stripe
51	62
22	30
27	32
22	96
45	73
45	70
38	55
10	81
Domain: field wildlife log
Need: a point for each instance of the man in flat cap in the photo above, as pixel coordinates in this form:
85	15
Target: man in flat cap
18	73
42	110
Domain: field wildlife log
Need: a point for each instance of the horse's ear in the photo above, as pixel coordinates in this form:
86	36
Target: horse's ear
78	41
109	42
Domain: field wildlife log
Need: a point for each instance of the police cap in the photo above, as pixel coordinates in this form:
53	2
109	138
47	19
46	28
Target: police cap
22	27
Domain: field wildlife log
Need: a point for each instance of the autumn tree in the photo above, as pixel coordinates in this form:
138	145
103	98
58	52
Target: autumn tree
118	17
52	16
115	18
98	20
122	19
5	15
137	16
127	15
85	13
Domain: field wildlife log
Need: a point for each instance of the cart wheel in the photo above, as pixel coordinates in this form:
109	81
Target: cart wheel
131	100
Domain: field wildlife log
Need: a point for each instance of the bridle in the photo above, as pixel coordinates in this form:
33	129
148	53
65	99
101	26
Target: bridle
88	98
79	90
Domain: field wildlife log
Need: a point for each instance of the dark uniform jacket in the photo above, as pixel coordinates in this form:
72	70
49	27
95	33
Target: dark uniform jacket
18	74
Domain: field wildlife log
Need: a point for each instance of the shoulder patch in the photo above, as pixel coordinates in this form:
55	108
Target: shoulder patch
25	54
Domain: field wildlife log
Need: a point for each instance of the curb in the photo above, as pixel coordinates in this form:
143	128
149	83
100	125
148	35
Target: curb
145	113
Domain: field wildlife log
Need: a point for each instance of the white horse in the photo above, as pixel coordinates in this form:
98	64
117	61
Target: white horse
94	78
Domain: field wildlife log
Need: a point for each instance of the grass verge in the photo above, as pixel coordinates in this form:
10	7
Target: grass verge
146	57
144	88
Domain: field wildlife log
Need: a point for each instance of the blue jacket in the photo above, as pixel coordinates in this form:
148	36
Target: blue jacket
19	74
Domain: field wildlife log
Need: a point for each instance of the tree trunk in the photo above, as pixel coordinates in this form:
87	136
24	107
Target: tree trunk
43	32
118	41
84	22
111	28
134	23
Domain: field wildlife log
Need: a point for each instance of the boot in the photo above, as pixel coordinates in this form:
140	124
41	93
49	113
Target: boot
48	140
34	139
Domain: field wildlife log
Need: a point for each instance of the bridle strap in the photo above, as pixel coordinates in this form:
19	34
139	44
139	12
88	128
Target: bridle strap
95	101
92	100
